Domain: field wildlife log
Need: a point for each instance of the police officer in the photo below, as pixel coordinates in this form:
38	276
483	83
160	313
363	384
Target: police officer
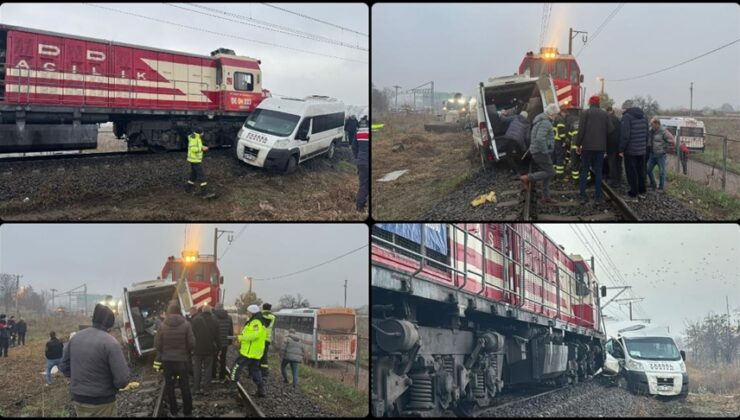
252	346
195	157
362	161
269	323
560	126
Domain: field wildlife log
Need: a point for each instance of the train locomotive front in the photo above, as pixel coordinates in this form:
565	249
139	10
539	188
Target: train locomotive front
462	311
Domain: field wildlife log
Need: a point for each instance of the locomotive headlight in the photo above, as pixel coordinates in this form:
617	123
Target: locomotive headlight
635	365
463	109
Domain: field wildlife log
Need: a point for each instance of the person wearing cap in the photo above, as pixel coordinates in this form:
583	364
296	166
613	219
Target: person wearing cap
174	343
291	353
94	361
251	347
270	322
593	129
633	147
4	336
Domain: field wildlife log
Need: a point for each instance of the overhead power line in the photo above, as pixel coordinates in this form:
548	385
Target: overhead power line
230	243
681	63
265	25
221	33
313	266
314	19
601	27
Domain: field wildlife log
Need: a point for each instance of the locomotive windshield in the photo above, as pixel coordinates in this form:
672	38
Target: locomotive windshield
652	348
558	68
337	323
272	122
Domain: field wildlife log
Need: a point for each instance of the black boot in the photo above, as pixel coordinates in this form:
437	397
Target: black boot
261	390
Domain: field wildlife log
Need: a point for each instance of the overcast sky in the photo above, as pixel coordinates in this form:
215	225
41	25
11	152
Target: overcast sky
459	45
684	271
285	72
108	257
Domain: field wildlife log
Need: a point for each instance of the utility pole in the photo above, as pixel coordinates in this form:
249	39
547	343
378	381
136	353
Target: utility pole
345	293
53	307
691	101
602	86
17	291
85	290
572	34
216	235
397	87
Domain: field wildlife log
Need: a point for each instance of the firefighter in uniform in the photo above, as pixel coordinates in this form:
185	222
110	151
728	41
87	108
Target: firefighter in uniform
195	157
252	345
560	127
575	158
269	322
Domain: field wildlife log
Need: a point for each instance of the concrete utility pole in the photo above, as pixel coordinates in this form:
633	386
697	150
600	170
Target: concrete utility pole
17	290
217	234
345	293
397	87
691	101
572	34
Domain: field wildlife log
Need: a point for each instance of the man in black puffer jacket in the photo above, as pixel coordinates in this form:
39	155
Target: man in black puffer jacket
205	329
632	146
225	330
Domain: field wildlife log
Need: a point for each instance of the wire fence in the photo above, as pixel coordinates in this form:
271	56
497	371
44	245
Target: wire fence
717	166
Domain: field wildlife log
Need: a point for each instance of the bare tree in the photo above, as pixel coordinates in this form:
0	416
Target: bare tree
714	339
649	105
7	290
246	299
293	302
379	100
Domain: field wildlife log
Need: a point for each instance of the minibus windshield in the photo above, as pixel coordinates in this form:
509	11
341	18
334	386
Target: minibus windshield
272	122
652	348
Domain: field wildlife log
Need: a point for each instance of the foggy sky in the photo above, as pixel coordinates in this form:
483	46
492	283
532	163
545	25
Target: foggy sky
285	72
684	271
459	45
109	257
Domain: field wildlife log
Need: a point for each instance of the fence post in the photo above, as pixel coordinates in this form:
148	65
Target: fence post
357	363
724	163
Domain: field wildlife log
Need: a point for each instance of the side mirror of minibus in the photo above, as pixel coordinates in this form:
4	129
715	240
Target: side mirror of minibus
683	355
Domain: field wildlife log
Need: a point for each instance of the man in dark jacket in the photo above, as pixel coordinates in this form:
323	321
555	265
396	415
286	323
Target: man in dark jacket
225	330
174	342
350	126
21	327
632	147
95	362
518	132
363	161
207	345
614	161
4	336
11	328
593	129
54	351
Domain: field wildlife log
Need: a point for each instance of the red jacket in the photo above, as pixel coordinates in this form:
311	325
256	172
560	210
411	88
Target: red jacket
684	148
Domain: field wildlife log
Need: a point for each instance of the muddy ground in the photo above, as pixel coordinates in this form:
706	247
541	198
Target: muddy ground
151	187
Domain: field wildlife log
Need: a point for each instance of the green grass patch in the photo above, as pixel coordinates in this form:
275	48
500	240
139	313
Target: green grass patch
711	204
346	166
446	185
713	157
335	397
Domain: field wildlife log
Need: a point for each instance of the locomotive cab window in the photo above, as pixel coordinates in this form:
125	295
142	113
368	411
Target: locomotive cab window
561	70
243	81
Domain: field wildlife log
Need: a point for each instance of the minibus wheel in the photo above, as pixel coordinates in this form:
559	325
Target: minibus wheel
291	165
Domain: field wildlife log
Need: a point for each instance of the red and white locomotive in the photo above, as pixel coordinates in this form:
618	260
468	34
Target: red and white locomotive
55	88
201	273
476	308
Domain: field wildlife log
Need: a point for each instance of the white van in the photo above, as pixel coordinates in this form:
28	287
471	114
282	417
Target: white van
647	361
282	132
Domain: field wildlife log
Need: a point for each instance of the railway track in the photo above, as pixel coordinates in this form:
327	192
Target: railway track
71	156
569	207
219	401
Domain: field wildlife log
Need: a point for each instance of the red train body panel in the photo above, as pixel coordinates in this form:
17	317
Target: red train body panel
202	274
542	259
54	69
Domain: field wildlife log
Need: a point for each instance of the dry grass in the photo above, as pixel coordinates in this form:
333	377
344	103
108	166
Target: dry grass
22	391
722	126
719	379
436	163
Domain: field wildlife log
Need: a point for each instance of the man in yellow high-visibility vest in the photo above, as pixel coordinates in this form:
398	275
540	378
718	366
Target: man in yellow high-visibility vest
195	157
251	344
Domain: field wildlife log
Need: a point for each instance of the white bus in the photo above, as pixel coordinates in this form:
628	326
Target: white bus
327	334
283	132
685	130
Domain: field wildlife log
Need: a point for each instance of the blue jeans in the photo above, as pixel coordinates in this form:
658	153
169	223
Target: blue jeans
293	367
50	363
660	161
591	160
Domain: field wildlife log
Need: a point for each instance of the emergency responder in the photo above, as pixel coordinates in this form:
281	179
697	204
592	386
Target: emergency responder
575	158
362	161
560	127
4	336
269	323
195	157
350	126
252	345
